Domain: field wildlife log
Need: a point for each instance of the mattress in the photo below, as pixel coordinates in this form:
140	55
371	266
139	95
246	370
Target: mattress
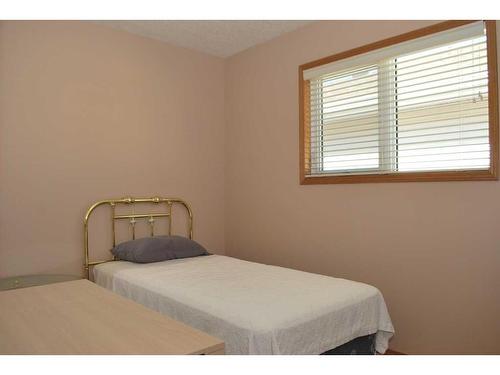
255	308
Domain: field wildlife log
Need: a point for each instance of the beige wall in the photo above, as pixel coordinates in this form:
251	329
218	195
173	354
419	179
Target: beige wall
88	113
432	248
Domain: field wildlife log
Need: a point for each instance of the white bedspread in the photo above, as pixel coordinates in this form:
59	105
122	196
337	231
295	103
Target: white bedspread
254	308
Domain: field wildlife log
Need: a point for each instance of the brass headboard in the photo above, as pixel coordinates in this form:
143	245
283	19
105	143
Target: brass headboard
150	217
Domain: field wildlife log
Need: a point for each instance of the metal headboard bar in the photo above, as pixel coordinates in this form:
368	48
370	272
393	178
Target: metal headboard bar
132	217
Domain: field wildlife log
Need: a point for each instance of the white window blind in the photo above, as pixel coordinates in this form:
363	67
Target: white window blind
416	106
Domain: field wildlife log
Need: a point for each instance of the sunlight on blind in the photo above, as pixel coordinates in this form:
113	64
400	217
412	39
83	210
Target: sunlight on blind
442	100
346	110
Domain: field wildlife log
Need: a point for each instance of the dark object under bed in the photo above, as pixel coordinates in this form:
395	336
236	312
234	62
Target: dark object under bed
360	345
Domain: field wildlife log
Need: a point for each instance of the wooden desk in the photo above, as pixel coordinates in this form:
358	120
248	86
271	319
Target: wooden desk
79	317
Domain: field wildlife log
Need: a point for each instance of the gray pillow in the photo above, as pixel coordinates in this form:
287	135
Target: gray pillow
157	249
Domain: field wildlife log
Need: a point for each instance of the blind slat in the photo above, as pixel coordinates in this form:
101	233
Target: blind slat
422	145
411	156
438	137
403	130
403	97
481	43
325	97
401	107
475	141
354	122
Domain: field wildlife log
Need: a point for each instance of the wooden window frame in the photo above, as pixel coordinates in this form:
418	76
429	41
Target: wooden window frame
466	175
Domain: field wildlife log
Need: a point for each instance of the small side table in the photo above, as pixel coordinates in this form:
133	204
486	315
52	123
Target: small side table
16	282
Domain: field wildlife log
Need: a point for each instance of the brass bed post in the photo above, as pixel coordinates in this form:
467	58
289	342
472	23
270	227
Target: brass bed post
150	217
190	221
190	214
151	221
169	205
113	214
87	264
132	219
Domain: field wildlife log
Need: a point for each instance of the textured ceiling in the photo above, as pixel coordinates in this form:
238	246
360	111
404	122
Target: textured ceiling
219	38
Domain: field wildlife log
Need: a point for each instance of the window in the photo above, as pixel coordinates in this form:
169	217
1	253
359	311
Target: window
423	107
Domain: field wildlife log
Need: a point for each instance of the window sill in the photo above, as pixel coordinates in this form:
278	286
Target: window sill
481	175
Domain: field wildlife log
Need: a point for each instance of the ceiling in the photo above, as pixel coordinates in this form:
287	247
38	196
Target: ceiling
219	38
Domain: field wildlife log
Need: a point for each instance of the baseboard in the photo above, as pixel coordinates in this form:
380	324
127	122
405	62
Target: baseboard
393	352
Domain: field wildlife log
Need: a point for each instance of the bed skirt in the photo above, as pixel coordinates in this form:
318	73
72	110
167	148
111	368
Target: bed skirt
360	345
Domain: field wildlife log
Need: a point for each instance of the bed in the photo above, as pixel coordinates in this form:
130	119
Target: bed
254	308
